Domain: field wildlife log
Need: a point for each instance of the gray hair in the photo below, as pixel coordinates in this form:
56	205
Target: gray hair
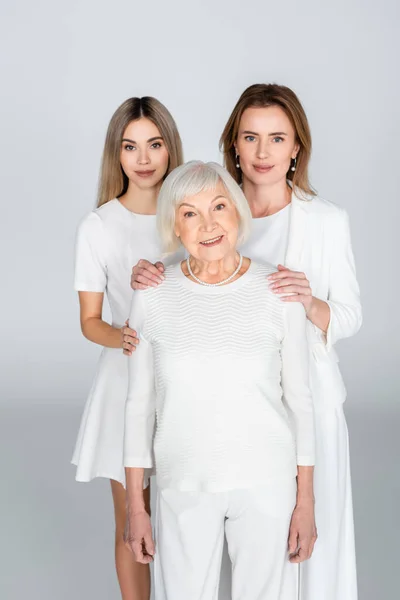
189	180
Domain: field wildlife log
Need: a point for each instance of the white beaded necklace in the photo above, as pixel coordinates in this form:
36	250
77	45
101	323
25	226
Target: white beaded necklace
236	271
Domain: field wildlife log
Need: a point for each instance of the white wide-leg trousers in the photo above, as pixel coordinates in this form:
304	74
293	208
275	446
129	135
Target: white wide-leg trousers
330	574
190	529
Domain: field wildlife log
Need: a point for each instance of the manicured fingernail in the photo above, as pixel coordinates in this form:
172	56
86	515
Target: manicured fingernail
153	284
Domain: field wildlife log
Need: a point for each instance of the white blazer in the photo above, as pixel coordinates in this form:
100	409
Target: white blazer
319	245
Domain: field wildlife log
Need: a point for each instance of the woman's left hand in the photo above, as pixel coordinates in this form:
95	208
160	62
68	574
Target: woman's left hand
129	339
295	283
302	532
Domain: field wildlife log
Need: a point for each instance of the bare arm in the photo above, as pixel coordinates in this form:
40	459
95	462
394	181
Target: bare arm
95	329
90	281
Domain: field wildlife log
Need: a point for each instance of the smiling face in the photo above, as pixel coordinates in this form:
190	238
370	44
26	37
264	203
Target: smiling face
144	156
266	145
208	224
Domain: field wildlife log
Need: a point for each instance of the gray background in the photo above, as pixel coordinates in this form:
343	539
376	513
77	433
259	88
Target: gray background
66	66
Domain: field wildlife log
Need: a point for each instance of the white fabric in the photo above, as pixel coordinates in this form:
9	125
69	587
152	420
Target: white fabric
271	233
217	399
331	572
110	240
190	529
319	244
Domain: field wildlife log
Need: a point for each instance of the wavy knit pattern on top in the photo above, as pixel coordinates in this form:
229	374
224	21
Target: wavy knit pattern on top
206	384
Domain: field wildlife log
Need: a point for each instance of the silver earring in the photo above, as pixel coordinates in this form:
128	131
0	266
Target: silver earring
237	161
293	167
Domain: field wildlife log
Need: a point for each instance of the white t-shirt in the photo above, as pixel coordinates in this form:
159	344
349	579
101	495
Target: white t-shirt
110	241
208	379
269	238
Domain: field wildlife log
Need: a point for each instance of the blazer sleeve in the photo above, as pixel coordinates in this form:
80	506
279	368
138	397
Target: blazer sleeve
141	399
295	382
344	293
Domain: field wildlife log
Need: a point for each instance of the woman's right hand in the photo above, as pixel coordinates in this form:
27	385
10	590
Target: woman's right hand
145	274
138	537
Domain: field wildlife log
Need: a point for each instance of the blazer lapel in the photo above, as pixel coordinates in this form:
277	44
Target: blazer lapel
297	230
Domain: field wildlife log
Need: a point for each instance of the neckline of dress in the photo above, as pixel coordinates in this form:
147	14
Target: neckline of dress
134	214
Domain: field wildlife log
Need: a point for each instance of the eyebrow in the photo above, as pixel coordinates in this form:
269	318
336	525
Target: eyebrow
153	139
213	200
254	133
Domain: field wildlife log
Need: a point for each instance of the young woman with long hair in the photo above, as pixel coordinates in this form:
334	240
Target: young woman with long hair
142	147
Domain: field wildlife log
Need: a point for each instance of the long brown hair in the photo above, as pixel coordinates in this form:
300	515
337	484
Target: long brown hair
263	95
113	182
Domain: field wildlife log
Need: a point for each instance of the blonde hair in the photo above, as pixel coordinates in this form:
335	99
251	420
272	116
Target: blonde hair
113	182
264	95
189	180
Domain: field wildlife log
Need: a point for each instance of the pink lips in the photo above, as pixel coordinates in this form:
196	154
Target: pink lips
263	168
145	173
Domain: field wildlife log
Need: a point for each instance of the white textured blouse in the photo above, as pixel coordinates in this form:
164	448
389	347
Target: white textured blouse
205	404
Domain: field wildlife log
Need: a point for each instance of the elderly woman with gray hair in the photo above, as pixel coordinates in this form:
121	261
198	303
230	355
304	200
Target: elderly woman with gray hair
226	422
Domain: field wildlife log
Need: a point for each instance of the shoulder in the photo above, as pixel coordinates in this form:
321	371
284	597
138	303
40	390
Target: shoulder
98	216
167	292
95	224
111	215
105	214
327	207
262	269
324	211
107	210
323	207
151	296
261	289
90	227
170	270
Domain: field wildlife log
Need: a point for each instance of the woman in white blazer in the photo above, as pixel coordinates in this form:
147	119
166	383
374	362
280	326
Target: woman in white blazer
267	146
